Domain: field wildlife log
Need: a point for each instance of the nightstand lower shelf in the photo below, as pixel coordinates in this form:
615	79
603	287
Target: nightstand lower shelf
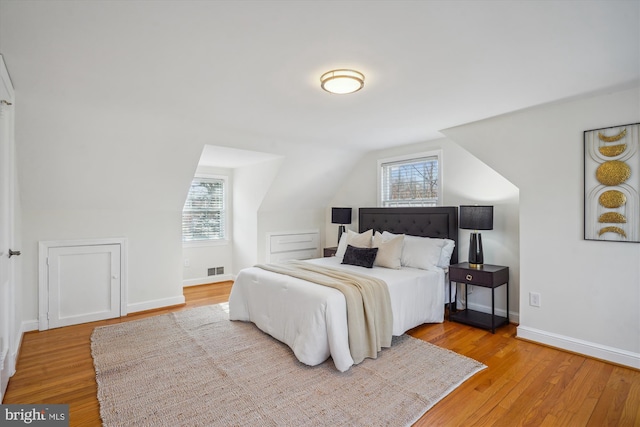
478	319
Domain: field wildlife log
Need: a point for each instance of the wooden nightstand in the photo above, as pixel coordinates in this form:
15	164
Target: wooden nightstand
328	252
489	276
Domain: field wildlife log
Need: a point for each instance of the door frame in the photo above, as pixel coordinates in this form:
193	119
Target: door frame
8	316
43	272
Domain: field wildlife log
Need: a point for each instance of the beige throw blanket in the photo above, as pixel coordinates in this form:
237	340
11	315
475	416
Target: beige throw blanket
369	316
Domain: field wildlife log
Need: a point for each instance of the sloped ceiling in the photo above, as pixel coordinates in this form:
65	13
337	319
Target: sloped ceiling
255	65
154	81
213	155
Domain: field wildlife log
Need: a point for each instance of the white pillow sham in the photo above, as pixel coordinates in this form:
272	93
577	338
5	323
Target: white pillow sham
389	250
424	252
447	251
359	240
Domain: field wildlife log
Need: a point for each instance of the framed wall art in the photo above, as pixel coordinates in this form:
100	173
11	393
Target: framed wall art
611	183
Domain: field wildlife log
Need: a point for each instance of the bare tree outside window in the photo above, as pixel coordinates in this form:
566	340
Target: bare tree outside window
413	182
203	215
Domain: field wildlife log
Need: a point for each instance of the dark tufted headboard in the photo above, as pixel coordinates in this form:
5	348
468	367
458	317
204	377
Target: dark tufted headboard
438	222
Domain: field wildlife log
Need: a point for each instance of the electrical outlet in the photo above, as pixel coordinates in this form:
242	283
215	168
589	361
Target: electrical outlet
534	299
186	262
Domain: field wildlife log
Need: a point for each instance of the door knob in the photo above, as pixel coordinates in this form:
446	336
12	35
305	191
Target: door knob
12	253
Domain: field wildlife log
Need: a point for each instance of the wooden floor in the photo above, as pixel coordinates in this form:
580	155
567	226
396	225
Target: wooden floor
525	383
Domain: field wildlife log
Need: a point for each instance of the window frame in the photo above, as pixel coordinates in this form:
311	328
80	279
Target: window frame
410	158
225	201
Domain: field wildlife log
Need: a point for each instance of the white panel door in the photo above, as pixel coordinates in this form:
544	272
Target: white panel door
7	183
84	284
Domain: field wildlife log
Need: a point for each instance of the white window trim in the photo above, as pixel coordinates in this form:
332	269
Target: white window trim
407	157
216	242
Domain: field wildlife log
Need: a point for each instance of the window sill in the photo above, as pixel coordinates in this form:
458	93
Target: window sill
205	243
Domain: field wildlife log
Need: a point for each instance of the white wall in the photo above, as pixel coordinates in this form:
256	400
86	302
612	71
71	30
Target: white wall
466	180
251	183
198	259
91	171
286	220
154	250
287	194
590	291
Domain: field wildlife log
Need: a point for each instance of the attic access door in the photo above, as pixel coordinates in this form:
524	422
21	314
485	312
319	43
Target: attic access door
83	282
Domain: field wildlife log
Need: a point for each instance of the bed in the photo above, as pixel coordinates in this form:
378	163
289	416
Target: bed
312	319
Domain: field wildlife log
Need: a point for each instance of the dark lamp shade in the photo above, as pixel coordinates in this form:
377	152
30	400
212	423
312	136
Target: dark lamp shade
341	215
476	217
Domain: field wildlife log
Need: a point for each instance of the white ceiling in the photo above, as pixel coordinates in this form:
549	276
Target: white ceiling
254	66
213	155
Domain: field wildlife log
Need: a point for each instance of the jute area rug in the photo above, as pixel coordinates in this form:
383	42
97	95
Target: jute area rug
197	368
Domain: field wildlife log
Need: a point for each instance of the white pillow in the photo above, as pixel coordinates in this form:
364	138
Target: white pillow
420	252
389	250
447	251
362	240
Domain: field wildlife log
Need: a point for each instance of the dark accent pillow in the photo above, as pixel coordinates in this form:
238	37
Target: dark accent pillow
362	257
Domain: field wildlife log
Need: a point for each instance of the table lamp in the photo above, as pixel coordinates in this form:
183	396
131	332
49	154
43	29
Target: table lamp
341	216
476	218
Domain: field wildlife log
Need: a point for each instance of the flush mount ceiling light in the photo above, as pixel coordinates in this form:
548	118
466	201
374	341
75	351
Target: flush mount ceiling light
342	81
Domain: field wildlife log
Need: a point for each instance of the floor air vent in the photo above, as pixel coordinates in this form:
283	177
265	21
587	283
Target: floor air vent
215	271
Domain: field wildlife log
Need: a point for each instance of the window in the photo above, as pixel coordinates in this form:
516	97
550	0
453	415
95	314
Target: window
204	215
410	181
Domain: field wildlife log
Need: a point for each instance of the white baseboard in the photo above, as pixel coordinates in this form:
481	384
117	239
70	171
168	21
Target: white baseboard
33	325
574	345
153	304
25	326
28	326
206	280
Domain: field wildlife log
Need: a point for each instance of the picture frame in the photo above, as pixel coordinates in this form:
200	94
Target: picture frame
611	183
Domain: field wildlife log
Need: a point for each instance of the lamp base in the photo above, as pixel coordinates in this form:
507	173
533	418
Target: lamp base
476	257
341	229
476	266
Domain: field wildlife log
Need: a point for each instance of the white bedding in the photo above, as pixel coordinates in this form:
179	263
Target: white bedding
312	319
